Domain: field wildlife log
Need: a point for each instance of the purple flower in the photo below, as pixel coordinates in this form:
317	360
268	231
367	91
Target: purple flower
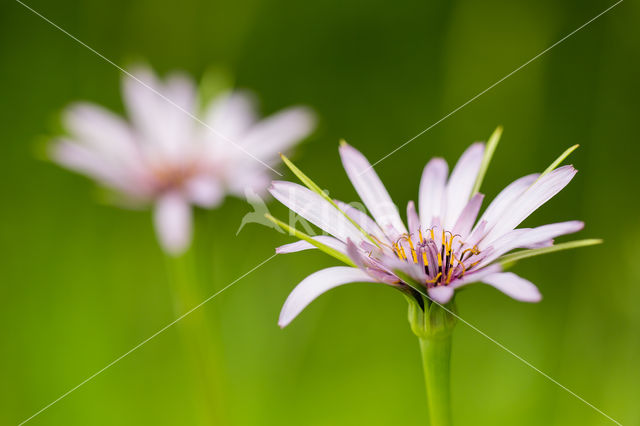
442	247
163	154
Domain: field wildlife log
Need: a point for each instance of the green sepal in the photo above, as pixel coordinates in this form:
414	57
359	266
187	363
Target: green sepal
509	259
559	160
486	159
301	235
315	188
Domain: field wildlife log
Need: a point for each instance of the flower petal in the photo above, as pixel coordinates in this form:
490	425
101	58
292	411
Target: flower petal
304	245
535	196
315	285
204	191
372	192
82	159
315	209
441	294
514	286
530	237
172	220
460	184
363	220
277	133
505	198
413	221
431	192
162	112
101	129
468	216
231	115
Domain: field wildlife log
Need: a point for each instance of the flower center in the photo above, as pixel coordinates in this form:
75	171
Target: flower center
444	256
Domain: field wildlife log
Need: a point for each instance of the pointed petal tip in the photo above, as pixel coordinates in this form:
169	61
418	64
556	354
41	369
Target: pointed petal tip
342	143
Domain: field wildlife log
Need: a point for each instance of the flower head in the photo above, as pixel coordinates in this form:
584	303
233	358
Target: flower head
172	154
442	247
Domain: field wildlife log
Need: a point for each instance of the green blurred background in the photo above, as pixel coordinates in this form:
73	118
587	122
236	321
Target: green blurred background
83	282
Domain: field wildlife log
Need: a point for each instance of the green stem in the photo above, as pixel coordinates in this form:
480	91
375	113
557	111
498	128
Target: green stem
198	339
436	361
433	324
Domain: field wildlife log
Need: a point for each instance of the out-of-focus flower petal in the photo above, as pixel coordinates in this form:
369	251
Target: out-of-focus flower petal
372	192
100	128
231	115
431	192
204	191
315	285
88	161
460	184
514	286
162	112
172	220
277	133
301	245
315	209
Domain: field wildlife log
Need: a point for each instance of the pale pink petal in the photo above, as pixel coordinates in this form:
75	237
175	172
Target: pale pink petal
89	162
514	286
301	245
476	276
363	220
277	133
505	198
172	220
530	237
468	216
460	184
536	195
204	191
161	112
231	115
431	194
315	209
441	294
372	192
101	129
412	218
315	285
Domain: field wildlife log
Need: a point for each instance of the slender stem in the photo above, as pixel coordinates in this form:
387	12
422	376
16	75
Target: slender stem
198	338
436	361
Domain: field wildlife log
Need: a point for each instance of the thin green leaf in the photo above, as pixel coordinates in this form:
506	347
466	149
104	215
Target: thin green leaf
486	159
323	247
315	188
559	160
508	259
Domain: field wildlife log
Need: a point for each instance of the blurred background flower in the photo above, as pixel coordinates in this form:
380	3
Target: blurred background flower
82	282
167	156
